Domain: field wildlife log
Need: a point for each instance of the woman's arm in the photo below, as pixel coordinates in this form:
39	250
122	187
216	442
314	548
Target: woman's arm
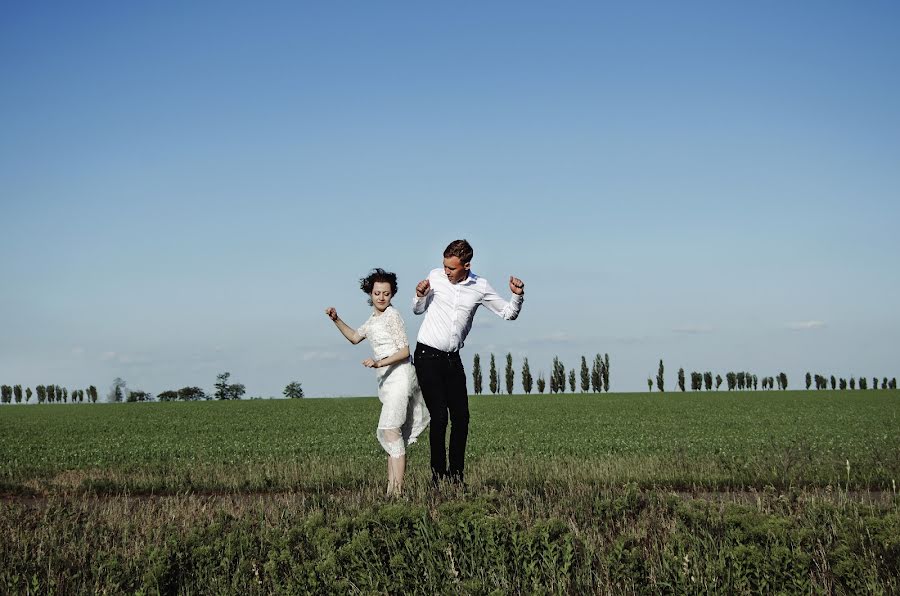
398	356
351	335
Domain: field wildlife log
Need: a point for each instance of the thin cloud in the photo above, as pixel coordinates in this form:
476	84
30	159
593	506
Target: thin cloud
693	329
136	360
124	358
319	355
630	340
560	337
805	325
565	339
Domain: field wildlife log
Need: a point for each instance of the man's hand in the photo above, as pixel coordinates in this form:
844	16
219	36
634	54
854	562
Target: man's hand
422	288
332	314
516	285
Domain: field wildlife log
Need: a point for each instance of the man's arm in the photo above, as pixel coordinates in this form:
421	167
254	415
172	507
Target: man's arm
424	294
499	306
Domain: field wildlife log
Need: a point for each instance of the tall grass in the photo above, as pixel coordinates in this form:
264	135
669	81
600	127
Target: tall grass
711	493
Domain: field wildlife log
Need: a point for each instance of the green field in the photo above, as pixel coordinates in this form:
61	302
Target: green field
735	492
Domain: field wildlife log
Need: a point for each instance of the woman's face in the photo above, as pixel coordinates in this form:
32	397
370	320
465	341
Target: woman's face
381	295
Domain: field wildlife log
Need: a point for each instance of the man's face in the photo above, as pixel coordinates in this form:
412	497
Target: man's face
455	269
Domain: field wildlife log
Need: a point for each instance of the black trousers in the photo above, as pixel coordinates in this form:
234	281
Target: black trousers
443	382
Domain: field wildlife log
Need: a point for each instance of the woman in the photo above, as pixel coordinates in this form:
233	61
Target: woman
403	411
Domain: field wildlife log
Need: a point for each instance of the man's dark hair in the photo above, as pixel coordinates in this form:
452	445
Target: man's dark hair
367	283
461	249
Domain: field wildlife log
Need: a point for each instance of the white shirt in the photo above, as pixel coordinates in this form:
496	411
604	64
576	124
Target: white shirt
450	308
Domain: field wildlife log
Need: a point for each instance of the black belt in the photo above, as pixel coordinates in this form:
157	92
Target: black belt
427	352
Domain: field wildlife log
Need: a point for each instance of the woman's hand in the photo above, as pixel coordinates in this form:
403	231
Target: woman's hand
332	314
369	363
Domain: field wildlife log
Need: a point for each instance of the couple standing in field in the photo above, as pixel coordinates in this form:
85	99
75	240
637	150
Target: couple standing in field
449	298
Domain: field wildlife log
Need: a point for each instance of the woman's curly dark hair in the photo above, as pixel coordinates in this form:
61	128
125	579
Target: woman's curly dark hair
367	283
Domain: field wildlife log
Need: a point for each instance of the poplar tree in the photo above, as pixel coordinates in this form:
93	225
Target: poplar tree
561	381
708	380
718	381
476	375
852	383
649	384
92	392
17	391
494	382
510	375
784	381
585	376
526	377
596	379
572	380
660	378
808	381
558	377
553	387
606	372
833	383
27	394
681	379
541	383
696	381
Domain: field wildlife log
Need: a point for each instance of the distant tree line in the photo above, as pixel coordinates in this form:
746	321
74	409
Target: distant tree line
741	381
594	379
823	382
46	394
119	393
704	380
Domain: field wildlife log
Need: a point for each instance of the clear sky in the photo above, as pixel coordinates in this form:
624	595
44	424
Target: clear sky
186	186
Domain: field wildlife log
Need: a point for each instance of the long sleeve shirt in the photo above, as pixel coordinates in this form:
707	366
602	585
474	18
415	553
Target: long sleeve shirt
450	308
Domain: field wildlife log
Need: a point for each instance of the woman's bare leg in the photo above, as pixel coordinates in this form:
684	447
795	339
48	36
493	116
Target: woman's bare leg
390	484
399	471
396	465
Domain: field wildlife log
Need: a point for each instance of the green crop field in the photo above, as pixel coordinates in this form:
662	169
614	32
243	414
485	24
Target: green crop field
644	493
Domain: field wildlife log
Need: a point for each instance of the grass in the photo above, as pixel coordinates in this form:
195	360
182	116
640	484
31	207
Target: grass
715	441
617	493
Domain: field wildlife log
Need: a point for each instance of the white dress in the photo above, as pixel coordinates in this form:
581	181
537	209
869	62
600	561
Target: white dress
403	412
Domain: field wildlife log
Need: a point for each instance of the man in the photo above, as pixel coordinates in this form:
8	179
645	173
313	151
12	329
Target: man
449	299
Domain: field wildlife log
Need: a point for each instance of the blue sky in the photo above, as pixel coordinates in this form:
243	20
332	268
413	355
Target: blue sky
184	188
